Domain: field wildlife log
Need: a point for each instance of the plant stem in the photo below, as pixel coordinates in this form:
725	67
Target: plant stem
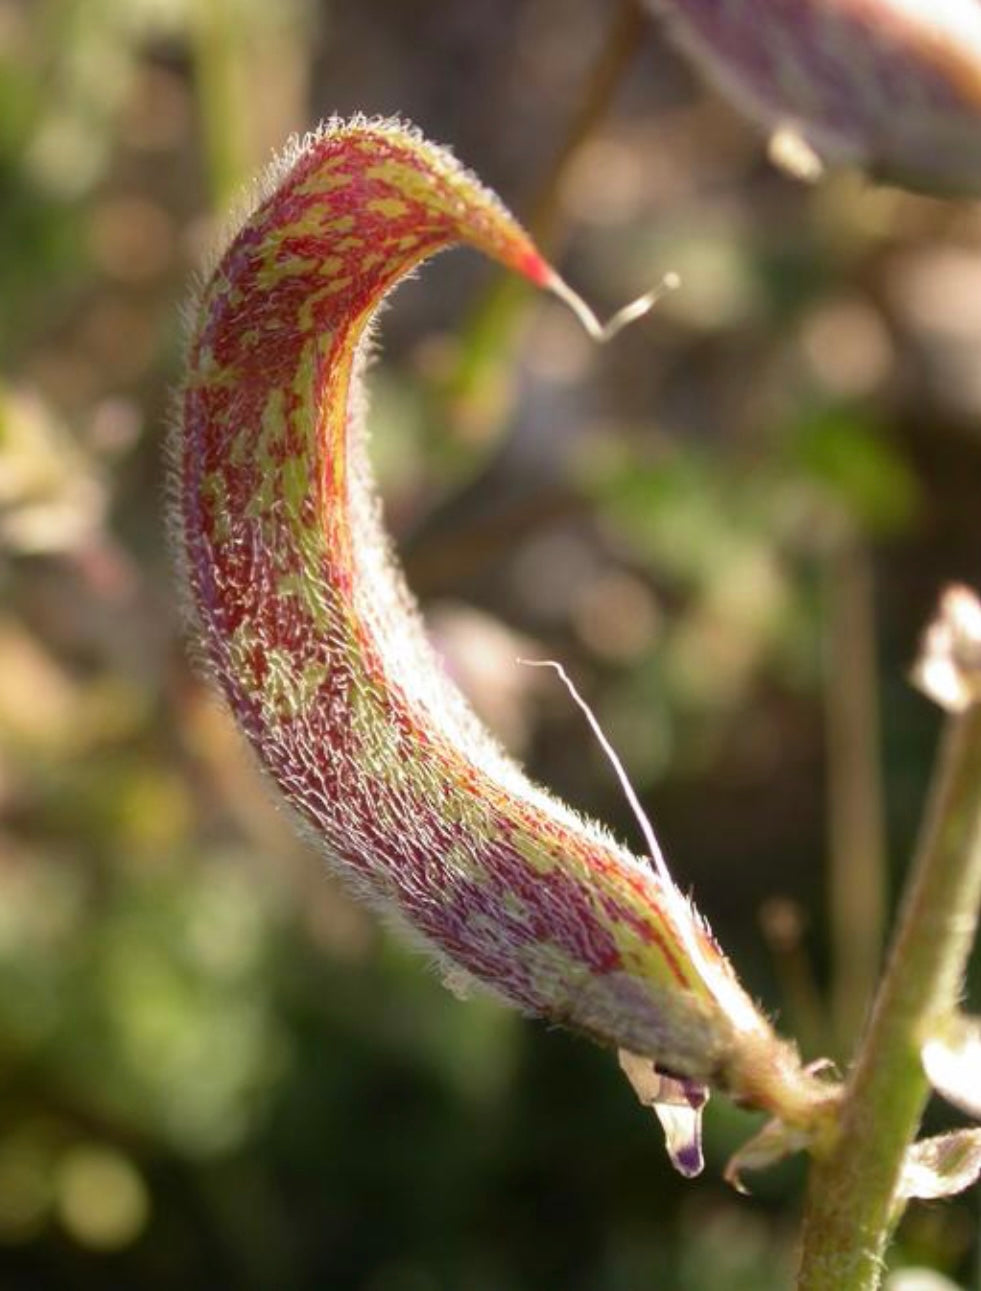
251	83
857	878
220	78
850	1210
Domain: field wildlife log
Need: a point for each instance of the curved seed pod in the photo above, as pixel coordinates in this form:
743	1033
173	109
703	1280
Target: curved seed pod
894	85
315	642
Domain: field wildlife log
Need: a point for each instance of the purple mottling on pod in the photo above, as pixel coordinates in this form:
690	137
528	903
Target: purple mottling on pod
892	85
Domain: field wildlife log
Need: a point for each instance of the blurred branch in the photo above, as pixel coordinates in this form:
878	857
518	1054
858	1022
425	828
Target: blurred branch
627	30
476	393
782	923
220	78
252	78
857	878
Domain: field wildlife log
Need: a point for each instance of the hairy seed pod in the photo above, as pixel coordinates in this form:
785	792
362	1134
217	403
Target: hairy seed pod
894	85
309	631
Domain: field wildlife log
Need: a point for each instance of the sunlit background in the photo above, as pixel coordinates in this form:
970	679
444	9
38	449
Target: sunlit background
731	525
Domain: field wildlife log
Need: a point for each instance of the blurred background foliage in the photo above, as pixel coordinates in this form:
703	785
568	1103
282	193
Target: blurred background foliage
214	1070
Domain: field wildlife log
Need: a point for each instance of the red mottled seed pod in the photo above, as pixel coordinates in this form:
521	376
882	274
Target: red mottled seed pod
315	643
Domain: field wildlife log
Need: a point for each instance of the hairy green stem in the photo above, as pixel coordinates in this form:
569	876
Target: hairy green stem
850	1210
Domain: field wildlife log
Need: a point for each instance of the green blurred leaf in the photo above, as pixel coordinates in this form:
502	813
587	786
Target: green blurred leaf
858	468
